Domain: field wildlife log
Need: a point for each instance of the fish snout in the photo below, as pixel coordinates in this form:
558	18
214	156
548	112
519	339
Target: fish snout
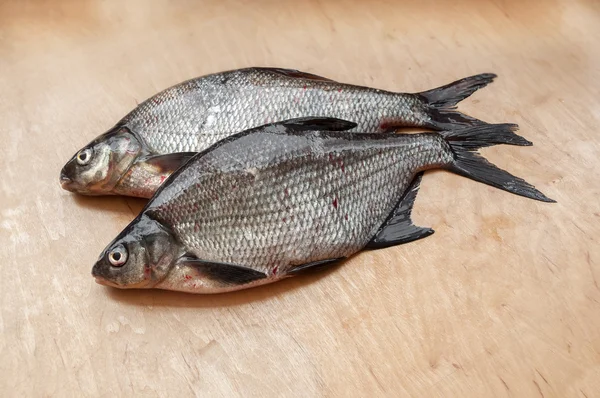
69	178
101	281
96	271
97	274
65	181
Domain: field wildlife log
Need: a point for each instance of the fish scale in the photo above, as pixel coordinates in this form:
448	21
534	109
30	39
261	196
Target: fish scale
288	198
198	113
192	116
323	195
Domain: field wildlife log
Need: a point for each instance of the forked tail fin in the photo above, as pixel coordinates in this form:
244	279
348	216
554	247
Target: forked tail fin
469	163
441	102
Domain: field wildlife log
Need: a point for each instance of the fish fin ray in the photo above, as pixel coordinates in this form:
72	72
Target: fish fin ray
399	228
316	123
224	273
485	135
469	163
303	268
169	162
441	101
293	73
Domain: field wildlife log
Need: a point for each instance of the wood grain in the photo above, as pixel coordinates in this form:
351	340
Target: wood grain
503	300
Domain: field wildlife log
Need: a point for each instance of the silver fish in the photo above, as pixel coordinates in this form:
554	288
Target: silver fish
287	198
147	145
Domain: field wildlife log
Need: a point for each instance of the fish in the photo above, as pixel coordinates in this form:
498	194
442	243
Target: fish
138	154
289	198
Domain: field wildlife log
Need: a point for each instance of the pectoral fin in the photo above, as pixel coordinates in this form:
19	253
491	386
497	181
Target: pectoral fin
399	228
317	123
223	273
167	164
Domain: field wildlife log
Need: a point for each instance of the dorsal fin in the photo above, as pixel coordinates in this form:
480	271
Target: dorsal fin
399	228
293	73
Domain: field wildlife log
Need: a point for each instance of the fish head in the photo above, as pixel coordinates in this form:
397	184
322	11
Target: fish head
98	167
139	257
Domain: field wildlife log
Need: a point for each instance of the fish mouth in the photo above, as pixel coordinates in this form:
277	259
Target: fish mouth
68	184
104	282
100	279
65	182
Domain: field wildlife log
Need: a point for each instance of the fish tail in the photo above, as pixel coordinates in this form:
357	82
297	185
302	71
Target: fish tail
441	102
469	163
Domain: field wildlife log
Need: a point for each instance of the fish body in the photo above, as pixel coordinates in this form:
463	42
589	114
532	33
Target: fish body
286	198
193	115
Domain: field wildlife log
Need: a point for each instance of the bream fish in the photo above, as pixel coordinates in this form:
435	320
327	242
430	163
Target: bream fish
162	133
287	198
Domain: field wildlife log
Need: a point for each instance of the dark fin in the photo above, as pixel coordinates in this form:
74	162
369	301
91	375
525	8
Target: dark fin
297	74
168	163
316	123
485	135
467	162
300	269
399	228
442	101
226	274
451	94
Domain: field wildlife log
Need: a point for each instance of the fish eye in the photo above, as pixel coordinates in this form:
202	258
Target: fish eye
84	156
117	256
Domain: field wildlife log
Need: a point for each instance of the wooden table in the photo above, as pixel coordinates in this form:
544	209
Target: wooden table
503	300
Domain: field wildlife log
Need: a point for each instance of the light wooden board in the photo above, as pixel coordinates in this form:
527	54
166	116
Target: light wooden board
503	300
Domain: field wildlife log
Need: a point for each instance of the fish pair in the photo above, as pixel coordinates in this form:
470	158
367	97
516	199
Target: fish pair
244	205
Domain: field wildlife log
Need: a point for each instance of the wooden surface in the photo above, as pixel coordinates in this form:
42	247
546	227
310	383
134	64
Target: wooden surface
503	300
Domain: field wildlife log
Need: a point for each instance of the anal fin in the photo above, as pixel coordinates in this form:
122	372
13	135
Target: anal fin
300	269
399	228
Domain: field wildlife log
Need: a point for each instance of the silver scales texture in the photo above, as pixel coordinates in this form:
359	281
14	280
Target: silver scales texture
269	200
197	113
